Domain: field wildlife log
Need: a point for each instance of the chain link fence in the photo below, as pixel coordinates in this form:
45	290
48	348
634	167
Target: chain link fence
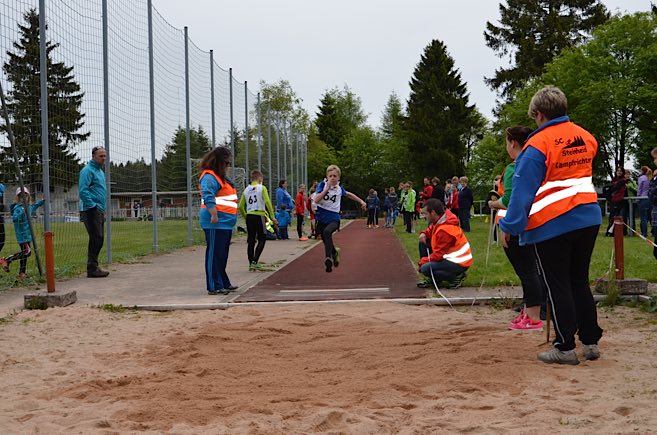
121	76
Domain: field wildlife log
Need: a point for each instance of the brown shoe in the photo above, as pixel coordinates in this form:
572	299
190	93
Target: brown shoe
98	273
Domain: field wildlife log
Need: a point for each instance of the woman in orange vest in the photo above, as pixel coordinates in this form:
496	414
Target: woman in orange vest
521	257
554	207
218	217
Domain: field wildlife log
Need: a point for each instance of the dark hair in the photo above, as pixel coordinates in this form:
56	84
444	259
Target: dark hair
519	133
255	175
435	180
96	148
436	205
280	183
217	160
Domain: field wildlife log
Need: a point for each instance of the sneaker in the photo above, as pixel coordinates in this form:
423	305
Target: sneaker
527	324
217	292
98	273
253	266
456	282
591	351
427	283
231	288
303	239
376	226
556	356
336	257
519	318
329	264
4	264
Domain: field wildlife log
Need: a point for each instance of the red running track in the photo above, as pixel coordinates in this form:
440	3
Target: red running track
373	266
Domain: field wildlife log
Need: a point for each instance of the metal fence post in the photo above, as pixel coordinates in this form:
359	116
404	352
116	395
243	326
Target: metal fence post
43	62
106	135
285	175
188	143
259	135
269	174
246	133
151	86
232	131
214	140
278	151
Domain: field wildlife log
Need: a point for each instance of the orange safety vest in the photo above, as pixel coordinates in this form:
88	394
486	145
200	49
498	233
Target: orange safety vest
569	151
460	252
225	198
500	190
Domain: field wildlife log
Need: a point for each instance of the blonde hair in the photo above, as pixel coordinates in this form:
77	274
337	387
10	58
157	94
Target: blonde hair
550	101
334	168
646	171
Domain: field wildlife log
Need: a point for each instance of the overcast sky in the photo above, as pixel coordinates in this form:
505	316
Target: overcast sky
370	45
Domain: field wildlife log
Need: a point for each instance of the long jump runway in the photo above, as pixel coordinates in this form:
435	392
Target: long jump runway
373	266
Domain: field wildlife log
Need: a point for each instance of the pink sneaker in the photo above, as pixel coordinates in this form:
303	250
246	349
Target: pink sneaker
519	318
528	325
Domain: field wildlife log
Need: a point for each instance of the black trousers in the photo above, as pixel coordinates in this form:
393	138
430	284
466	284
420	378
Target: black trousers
408	220
24	253
300	225
326	231
94	222
564	263
255	229
371	213
523	260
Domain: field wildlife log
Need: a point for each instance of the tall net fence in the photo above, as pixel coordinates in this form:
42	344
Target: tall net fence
100	83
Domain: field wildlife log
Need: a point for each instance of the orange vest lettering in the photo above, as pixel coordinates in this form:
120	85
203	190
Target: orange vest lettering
569	151
225	197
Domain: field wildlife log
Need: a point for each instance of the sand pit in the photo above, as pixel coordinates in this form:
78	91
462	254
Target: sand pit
347	368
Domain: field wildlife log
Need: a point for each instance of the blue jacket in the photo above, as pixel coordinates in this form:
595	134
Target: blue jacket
283	218
21	226
528	177
93	192
209	189
372	202
283	197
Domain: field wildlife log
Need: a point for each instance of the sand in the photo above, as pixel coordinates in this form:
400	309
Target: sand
325	368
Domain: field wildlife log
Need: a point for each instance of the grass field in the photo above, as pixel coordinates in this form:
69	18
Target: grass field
130	240
639	261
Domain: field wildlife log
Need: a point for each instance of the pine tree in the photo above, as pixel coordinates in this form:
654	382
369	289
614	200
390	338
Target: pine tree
340	114
439	114
533	32
329	129
172	169
392	118
23	99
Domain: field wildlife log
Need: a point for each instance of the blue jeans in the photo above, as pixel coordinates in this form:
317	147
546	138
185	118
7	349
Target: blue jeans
644	211
282	233
442	270
216	259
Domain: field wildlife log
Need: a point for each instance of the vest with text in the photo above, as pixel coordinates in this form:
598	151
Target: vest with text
569	151
225	197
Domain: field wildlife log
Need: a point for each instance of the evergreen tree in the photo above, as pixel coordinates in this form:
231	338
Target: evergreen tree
532	33
439	114
172	169
393	118
340	114
23	98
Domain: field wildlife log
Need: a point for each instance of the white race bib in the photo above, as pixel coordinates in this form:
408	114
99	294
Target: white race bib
332	199
253	198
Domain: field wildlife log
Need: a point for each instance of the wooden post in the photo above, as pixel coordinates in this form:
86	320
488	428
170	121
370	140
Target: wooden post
50	261
618	248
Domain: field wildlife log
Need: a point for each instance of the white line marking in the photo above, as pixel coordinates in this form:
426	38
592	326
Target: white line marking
340	290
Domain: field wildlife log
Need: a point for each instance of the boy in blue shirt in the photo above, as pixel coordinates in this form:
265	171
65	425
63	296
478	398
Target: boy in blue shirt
283	218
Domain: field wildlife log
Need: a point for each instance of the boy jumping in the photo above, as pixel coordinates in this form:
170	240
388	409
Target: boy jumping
329	199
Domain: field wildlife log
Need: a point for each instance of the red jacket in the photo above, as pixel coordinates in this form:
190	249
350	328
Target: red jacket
426	192
300	204
448	242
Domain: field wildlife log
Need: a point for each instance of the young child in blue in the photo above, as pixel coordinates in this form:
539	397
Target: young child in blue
329	199
283	218
22	230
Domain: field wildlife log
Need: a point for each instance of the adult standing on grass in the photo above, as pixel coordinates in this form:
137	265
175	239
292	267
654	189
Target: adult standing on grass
93	197
522	258
218	216
554	206
283	197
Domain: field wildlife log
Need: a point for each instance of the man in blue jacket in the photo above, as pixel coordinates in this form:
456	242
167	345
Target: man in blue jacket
93	197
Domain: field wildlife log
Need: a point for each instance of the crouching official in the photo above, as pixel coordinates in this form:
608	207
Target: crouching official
450	255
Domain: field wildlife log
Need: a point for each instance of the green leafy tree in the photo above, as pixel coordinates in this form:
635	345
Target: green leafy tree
611	85
131	176
65	119
439	114
172	168
320	156
396	160
360	161
532	33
